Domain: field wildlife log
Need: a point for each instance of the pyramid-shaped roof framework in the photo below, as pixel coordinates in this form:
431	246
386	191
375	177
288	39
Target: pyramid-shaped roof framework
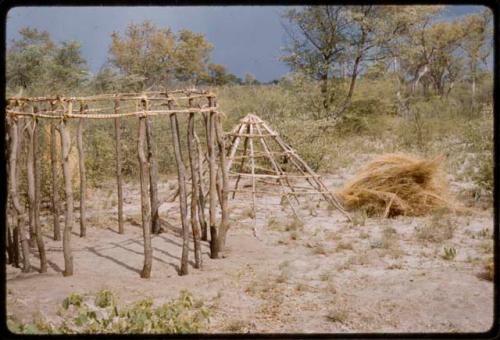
257	154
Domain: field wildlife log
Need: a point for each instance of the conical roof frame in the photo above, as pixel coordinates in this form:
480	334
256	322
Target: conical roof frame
252	128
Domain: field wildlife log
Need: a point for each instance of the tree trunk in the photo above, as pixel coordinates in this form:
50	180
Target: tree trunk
195	184
68	190
118	157
21	233
145	208
324	91
36	203
83	179
153	173
181	175
55	192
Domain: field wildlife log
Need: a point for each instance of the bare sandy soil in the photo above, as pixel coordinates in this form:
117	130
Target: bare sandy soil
325	276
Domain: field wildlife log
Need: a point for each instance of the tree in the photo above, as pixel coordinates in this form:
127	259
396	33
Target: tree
317	35
145	54
38	66
148	55
106	81
478	44
68	69
217	74
192	53
444	38
328	40
28	59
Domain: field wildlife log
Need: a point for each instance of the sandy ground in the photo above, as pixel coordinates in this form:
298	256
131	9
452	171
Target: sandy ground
328	276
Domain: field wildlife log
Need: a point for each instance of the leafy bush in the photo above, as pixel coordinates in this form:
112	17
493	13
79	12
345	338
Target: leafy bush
182	315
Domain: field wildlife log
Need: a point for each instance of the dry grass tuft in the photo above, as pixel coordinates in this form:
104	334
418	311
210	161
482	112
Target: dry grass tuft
437	229
488	270
398	184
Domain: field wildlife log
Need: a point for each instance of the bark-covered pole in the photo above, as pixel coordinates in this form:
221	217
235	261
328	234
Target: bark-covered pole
68	190
195	184
55	190
118	157
30	169
21	232
83	179
145	208
9	222
224	227
181	175
201	195
214	246
38	182
153	172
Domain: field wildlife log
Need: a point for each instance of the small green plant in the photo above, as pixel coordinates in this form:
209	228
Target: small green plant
74	299
484	233
104	298
449	253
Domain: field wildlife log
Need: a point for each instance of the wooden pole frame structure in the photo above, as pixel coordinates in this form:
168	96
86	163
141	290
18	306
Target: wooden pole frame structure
256	128
58	111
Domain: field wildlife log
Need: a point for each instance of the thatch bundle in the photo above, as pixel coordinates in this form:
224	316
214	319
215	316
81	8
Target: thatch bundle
398	184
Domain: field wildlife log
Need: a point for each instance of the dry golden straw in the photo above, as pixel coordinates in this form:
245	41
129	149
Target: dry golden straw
398	184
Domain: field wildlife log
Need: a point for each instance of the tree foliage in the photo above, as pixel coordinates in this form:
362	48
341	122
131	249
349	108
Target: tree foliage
148	55
36	65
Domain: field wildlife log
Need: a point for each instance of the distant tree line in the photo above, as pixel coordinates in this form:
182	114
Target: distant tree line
333	46
338	44
144	56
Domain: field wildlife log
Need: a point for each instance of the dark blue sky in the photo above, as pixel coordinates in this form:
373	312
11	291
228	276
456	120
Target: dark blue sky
246	39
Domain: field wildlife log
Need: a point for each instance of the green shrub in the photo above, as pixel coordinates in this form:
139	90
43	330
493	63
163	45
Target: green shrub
182	315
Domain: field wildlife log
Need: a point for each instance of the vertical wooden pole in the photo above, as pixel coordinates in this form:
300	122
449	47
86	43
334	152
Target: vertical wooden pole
224	227
201	196
31	181
214	246
68	190
153	172
9	223
21	233
55	191
83	179
252	162
242	163
38	182
181	175
118	157
195	184
145	208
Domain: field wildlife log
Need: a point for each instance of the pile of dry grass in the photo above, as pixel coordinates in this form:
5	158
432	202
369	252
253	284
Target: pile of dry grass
398	184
